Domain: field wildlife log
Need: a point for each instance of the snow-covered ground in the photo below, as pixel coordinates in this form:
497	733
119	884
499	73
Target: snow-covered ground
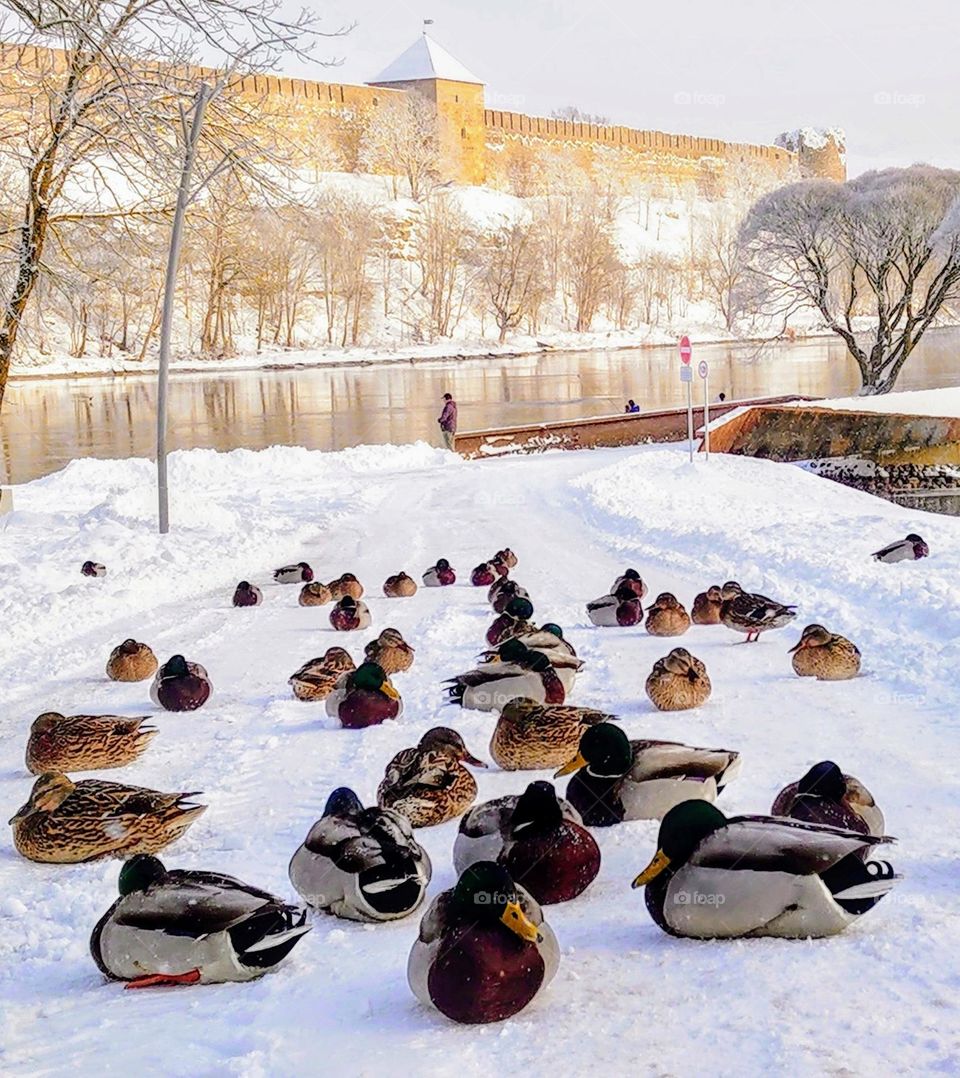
881	997
930	402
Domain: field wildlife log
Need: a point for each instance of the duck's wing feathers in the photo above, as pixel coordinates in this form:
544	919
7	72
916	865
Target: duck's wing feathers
759	609
603	601
671	759
489	817
483	675
898	548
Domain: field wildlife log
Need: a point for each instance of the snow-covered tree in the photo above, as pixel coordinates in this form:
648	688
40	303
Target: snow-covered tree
513	272
400	138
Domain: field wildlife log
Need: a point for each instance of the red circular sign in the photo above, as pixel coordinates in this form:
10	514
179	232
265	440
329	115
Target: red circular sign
686	350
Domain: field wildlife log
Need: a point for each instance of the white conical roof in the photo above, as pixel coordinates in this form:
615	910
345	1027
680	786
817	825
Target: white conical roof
425	59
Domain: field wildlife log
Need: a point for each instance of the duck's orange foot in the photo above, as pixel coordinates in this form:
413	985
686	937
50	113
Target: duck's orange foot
164	980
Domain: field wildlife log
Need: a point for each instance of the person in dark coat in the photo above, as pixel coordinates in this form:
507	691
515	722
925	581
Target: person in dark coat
448	420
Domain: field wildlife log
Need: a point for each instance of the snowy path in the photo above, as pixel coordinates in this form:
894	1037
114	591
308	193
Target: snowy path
627	996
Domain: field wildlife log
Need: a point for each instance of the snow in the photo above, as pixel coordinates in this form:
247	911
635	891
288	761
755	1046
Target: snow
425	59
626	995
929	402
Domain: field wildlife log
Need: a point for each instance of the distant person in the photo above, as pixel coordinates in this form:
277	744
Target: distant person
632	406
721	398
448	420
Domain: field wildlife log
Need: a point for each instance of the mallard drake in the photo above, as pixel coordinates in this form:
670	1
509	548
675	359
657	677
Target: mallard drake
181	926
825	655
247	594
715	877
630	579
316	679
667	616
316	593
502	591
429	784
531	736
65	822
508	557
399	586
484	575
617	779
93	568
361	863
440	575
346	586
390	651
350	614
499	565
548	639
516	652
538	837
491	686
364	697
706	606
753	614
621	607
181	685
131	661
825	795
85	742
514	621
484	950
913	548
678	682
301	573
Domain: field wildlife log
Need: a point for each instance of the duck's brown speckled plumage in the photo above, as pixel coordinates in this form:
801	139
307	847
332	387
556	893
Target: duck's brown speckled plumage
390	651
825	656
667	617
428	783
131	661
316	593
344	585
85	742
530	736
706	606
399	586
316	679
678	681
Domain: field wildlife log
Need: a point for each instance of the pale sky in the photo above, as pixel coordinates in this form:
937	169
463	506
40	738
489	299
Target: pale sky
743	70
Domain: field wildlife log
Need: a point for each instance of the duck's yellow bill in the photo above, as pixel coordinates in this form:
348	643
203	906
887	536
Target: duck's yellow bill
571	765
656	866
390	691
517	921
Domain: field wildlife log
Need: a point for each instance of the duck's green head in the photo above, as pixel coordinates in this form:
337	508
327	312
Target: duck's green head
553	628
513	650
823	780
139	873
343	802
682	830
176	667
605	750
537	811
370	676
486	893
520	608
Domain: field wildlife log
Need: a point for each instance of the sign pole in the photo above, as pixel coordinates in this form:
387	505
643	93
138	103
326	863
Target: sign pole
686	375
705	375
690	418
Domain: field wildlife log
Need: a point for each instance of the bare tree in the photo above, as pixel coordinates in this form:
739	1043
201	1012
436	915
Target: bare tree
512	260
590	255
444	243
886	245
720	258
576	115
400	138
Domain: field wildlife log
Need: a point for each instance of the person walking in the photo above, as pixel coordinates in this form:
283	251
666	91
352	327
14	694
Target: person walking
632	407
448	420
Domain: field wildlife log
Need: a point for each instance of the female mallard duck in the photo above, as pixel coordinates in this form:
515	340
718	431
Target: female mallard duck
630	579
180	685
530	736
390	651
349	615
706	606
85	742
667	616
131	661
93	568
492	685
429	784
719	877
825	795
484	575
753	614
247	594
508	557
617	779
364	697
315	593
678	682
399	586
440	575
621	607
503	591
538	837
316	679
484	950
346	586
825	655
913	548
514	621
301	573
65	822
181	926
361	863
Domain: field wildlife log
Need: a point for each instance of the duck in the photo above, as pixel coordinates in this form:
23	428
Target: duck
484	575
913	548
621	607
315	593
247	594
316	679
131	661
484	951
181	685
85	742
514	651
440	575
364	697
490	686
753	614
617	779
719	877
825	795
66	822
186	926
390	651
667	616
825	655
345	586
499	565
399	586
301	573
508	558
539	838
93	568
502	591
514	621
678	682
630	579
359	863
706	606
429	784
350	614
548	639
531	736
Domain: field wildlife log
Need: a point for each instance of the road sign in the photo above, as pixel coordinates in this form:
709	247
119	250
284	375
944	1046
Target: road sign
686	374
686	350
703	369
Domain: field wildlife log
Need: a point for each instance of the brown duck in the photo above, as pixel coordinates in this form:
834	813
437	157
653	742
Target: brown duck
678	682
345	586
706	606
316	679
390	651
667	616
85	742
530	736
131	661
399	586
825	655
